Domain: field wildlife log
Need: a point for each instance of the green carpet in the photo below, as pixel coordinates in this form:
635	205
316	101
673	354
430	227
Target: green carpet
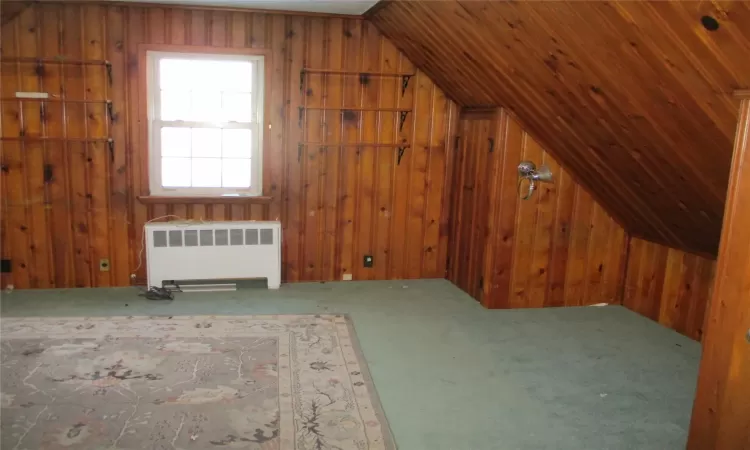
451	375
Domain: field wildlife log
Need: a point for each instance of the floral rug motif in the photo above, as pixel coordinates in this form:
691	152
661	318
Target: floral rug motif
286	382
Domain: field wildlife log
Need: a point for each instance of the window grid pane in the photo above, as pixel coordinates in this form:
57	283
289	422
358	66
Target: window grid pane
201	157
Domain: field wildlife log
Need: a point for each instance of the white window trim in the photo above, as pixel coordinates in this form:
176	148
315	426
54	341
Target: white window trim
154	138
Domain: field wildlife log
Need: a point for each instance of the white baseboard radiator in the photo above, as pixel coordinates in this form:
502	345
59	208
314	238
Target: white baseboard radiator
178	251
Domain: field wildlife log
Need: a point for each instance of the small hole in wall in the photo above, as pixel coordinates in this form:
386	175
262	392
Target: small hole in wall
709	23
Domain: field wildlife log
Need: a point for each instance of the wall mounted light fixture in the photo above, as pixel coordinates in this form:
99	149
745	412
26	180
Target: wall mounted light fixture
527	171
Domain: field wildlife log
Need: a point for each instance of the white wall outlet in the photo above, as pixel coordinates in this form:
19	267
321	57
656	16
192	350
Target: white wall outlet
347	277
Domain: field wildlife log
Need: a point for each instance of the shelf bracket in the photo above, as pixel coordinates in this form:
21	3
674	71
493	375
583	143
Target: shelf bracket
404	83
111	111
299	151
301	80
401	151
111	146
301	115
402	119
108	66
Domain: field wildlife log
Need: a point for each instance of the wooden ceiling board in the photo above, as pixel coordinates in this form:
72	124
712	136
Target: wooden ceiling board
633	98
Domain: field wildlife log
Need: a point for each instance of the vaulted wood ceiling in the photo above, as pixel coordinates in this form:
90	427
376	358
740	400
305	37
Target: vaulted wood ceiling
634	98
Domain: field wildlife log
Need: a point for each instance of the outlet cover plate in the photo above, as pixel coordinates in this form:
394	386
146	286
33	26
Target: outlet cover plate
104	265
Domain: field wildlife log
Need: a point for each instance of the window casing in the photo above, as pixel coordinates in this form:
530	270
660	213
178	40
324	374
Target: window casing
205	114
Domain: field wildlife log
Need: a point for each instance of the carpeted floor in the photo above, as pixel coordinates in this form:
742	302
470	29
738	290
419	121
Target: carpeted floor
286	382
454	376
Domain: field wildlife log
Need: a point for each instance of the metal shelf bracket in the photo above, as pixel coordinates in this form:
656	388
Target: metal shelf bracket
401	151
402	119
404	83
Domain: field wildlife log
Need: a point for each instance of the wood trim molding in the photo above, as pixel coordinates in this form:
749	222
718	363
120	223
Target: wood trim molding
721	412
192	7
189	200
742	93
375	8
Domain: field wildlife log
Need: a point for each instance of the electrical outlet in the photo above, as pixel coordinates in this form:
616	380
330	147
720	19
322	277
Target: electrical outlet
368	261
104	265
346	277
5	266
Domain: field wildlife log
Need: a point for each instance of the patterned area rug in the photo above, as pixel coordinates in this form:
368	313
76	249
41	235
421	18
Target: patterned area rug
252	382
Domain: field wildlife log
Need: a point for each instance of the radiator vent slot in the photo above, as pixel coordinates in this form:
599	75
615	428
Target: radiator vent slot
235	237
191	238
175	238
207	238
160	238
251	236
266	236
222	237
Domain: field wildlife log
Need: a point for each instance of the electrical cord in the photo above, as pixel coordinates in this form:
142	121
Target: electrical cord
143	237
157	293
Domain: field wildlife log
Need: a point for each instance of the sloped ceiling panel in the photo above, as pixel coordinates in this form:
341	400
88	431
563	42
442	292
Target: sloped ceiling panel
634	98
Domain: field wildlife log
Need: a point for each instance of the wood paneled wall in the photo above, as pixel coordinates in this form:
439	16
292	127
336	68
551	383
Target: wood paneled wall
67	204
669	286
557	249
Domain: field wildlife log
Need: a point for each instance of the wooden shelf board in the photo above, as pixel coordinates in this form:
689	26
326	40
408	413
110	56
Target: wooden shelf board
53	100
357	144
80	62
358	72
359	109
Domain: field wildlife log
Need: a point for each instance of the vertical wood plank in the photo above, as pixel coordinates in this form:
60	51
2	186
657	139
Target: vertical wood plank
526	223
368	123
511	145
432	264
348	156
419	154
34	156
176	26
275	156
566	189
76	120
385	161
56	156
545	214
721	412
295	47
331	133
313	155
119	199
450	135
136	143
98	158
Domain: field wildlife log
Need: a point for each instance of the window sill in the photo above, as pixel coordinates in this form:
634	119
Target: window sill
216	199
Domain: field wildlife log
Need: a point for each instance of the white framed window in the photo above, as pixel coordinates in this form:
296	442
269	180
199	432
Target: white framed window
205	114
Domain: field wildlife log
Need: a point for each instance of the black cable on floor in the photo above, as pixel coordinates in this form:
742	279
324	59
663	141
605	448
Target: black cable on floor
157	293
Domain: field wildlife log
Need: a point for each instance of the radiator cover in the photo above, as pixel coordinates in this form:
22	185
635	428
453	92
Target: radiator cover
213	251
